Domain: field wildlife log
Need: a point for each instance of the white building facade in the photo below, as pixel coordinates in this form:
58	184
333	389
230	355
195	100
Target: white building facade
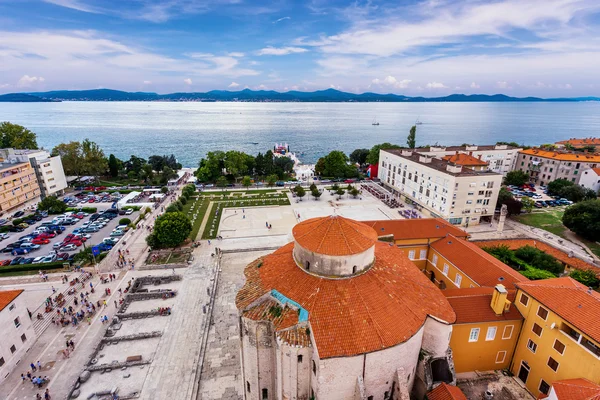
17	331
48	170
590	179
500	157
458	194
544	166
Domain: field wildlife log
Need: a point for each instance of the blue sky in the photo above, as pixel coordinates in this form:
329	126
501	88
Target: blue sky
542	48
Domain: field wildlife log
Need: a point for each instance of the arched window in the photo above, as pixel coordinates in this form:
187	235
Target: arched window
308	265
354	269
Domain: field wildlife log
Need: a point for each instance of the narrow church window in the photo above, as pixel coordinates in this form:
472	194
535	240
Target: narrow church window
308	265
248	386
299	358
314	367
354	269
265	394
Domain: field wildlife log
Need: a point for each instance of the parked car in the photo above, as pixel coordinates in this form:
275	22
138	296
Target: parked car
69	247
3	221
57	245
40	241
62	256
23	225
18	214
49	258
19	251
15	229
110	240
16	261
104	246
30	246
28	260
117	233
129	211
38	260
4	263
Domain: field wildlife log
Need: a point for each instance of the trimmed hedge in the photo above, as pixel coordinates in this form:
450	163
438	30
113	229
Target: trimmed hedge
32	267
83	209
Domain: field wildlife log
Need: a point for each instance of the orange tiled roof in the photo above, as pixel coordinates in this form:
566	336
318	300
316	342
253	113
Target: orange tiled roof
562	155
264	311
473	305
596	170
7	296
446	392
570	300
334	235
576	389
380	308
581	142
428	228
481	267
464	159
295	336
513	244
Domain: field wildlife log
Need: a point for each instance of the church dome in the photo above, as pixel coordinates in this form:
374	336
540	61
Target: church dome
334	236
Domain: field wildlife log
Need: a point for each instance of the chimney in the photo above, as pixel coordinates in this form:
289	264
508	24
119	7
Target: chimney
500	303
479	157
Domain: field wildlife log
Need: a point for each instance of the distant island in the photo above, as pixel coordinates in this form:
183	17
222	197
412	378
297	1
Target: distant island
329	95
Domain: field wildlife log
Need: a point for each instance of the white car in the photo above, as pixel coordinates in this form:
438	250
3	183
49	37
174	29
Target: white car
57	245
3	236
38	260
537	196
69	247
129	211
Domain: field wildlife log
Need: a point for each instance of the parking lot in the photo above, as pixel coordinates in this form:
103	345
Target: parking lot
45	249
539	195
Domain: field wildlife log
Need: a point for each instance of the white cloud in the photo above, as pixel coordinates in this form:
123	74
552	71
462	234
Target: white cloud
233	85
187	81
147	82
565	86
502	85
261	87
75	5
436	85
280	51
392	82
236	54
29	81
281	19
474	85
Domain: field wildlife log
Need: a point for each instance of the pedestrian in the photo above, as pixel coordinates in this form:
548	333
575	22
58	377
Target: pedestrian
39	365
22	378
116	304
53	290
47	395
105	304
32	365
173	271
72	344
209	242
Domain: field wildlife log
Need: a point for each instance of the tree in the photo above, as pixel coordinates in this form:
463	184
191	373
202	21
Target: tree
502	253
340	192
166	174
412	136
584	219
147	172
17	136
94	161
222	182
334	164
246	182
52	205
113	166
354	192
283	165
164	190
516	177
373	157
272	180
71	157
359	156
171	229
504	196
124	221
236	163
157	162
527	203
315	193
211	167
300	192
312	187
586	277
555	187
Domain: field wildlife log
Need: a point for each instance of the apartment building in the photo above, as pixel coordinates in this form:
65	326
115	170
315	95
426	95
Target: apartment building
560	338
448	189
18	185
49	170
547	165
500	158
486	329
17	331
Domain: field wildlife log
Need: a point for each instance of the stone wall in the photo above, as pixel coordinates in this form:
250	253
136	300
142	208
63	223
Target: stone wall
333	265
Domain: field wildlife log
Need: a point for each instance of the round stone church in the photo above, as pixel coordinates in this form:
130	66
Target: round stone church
336	314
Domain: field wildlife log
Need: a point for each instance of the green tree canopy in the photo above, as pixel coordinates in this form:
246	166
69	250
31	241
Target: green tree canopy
71	157
113	165
315	193
170	230
52	205
17	136
246	181
557	185
411	140
517	178
584	219
222	181
359	156
272	180
211	167
587	277
373	157
528	203
94	161
335	165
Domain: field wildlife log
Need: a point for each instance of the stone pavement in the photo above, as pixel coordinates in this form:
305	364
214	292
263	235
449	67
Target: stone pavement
172	374
221	374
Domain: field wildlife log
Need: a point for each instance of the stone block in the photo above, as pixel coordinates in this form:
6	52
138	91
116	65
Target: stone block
85	375
75	394
134	358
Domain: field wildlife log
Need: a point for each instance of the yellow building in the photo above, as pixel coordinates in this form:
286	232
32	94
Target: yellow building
454	263
560	338
486	329
414	236
18	185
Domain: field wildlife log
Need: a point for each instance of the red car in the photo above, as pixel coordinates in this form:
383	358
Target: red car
46	235
4	263
77	216
91	201
40	241
79	238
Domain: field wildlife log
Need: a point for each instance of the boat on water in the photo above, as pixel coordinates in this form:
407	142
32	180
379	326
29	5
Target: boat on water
417	122
375	122
254	142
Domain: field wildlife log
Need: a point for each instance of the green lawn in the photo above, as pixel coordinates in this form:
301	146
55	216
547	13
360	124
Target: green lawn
195	205
551	221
